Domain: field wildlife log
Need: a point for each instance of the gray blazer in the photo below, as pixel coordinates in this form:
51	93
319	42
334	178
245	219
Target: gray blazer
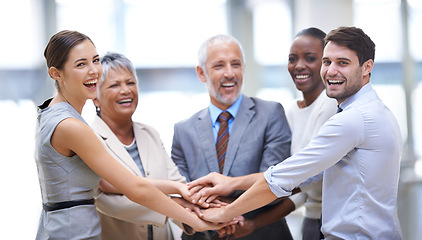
260	137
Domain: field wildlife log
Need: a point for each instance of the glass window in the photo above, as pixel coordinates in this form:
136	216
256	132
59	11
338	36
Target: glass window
380	19
272	32
21	42
415	23
95	19
168	33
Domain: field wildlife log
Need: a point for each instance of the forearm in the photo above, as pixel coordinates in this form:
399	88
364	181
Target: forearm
120	207
245	182
258	195
137	189
108	188
273	213
143	192
169	187
165	186
151	197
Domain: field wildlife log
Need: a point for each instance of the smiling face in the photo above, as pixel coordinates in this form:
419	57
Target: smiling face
341	72
118	95
305	64
80	74
224	74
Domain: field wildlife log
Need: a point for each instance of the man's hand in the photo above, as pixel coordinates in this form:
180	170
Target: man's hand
207	188
242	229
231	229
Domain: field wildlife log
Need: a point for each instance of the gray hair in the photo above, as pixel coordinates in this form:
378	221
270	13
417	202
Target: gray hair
217	39
115	61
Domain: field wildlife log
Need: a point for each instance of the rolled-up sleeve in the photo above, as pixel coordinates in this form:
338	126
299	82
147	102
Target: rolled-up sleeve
274	186
333	141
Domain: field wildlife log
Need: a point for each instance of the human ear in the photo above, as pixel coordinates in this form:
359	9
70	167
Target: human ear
96	102
367	67
201	74
55	74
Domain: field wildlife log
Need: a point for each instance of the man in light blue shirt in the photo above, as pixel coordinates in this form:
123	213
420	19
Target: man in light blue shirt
259	135
215	112
358	150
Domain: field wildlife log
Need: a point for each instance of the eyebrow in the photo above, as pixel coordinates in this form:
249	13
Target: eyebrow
80	60
84	59
344	59
341	59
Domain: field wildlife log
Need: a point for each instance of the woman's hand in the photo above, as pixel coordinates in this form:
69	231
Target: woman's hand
199	197
215	215
201	225
210	186
184	192
187	205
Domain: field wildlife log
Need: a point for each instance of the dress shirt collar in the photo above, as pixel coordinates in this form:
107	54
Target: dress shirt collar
364	89
215	111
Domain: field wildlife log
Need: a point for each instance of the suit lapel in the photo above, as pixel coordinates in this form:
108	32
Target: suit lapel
241	122
203	127
114	145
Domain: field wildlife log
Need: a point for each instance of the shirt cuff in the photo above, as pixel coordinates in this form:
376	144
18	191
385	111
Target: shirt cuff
272	183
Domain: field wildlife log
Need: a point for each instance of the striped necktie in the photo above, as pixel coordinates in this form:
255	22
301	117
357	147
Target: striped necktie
222	139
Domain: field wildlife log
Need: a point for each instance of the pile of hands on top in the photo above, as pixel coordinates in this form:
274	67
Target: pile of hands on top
209	197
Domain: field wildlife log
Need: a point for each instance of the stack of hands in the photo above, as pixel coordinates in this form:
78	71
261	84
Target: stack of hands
207	197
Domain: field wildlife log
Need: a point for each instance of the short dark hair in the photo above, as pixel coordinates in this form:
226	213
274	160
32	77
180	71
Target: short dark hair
354	39
313	32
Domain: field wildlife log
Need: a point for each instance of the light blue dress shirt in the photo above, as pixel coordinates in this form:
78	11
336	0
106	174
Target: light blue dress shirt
359	151
215	112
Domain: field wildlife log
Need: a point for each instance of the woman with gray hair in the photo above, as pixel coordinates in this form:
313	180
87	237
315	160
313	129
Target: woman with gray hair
136	146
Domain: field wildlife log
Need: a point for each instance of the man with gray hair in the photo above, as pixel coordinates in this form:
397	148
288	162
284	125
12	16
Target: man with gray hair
357	152
250	135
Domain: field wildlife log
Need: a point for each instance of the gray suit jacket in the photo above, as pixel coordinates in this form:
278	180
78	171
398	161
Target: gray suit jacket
260	137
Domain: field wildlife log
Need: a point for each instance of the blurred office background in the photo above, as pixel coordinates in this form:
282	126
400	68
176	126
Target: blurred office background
162	37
